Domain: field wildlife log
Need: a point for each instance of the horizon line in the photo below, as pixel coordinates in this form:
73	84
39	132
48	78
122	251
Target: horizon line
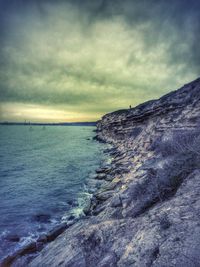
46	123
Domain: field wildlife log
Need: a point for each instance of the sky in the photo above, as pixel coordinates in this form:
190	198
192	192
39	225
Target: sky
77	60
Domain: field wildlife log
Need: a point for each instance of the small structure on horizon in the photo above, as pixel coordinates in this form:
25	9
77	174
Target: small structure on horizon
130	107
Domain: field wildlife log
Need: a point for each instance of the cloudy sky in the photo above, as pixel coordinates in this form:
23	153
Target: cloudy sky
77	60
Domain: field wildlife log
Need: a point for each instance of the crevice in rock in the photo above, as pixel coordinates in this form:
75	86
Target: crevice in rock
155	255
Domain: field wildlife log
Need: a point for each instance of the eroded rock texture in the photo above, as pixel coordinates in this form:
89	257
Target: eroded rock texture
147	211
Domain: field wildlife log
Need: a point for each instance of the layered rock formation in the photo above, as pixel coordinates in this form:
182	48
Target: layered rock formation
147	211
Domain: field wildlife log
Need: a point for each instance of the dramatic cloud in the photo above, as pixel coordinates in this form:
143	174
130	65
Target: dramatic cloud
69	61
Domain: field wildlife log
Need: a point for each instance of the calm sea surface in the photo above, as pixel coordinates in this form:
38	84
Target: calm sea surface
42	178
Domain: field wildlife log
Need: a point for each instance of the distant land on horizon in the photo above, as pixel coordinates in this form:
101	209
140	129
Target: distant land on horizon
50	124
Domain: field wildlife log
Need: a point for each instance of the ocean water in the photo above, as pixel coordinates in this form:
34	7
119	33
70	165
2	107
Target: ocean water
43	173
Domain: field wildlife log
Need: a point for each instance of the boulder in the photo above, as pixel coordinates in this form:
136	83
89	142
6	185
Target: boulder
102	196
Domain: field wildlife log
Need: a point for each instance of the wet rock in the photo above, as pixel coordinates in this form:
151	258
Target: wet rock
109	178
100	176
71	218
102	196
87	206
50	236
120	170
103	169
42	238
56	232
28	249
40	245
112	185
98	209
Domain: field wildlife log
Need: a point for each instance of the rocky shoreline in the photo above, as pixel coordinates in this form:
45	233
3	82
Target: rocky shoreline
146	211
23	255
34	246
102	184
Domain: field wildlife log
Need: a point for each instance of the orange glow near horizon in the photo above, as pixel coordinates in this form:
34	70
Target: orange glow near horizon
38	113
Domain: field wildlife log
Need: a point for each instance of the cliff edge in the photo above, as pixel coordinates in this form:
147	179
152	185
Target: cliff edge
147	211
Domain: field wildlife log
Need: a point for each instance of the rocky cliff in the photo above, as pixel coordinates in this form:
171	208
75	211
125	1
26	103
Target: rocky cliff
147	211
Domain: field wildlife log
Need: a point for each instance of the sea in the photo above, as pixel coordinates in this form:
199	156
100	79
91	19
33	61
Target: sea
44	173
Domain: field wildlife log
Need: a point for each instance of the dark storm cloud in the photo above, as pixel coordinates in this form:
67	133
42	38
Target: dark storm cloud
94	56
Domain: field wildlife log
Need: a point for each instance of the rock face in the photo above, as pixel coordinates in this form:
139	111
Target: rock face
147	211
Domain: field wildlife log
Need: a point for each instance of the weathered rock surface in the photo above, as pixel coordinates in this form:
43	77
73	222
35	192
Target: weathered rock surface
147	214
